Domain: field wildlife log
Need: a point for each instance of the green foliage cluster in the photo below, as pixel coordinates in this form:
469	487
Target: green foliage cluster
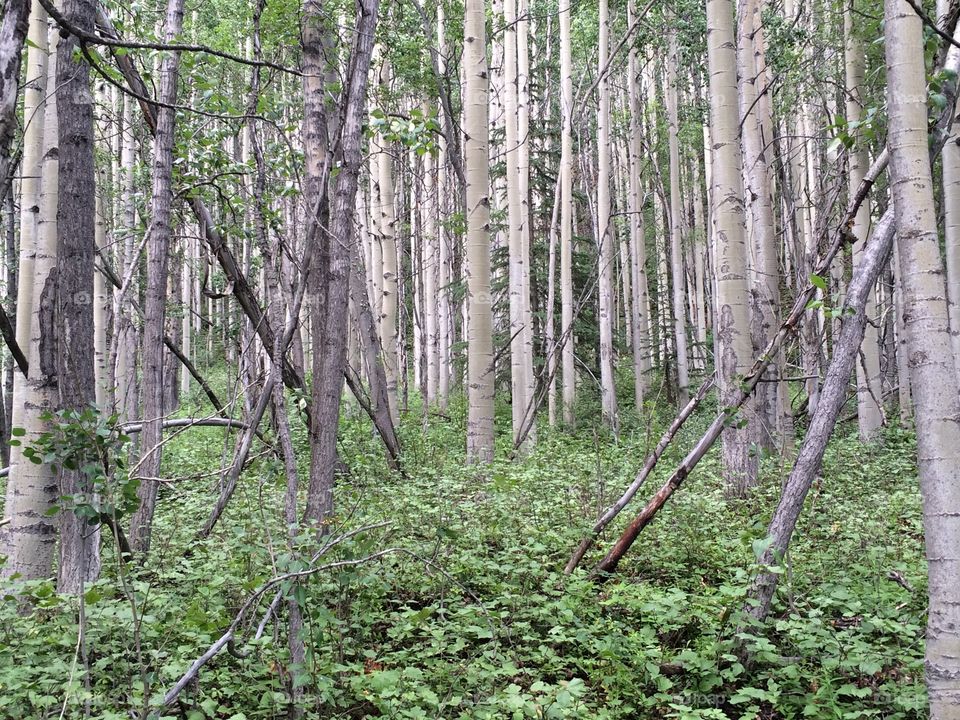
474	618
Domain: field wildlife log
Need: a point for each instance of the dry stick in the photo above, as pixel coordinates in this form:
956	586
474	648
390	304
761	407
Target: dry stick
611	512
135	427
749	383
217	243
874	254
251	601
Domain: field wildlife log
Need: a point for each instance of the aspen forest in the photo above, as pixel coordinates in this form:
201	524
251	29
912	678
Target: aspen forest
479	359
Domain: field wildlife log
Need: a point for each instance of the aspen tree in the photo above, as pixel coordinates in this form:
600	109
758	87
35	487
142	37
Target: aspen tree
732	321
566	216
869	416
951	216
34	103
932	366
605	230
480	374
640	312
676	240
761	230
444	271
388	234
158	247
528	419
29	540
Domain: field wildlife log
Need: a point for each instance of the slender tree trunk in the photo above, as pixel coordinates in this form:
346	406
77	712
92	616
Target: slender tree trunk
605	230
732	309
764	273
158	248
569	372
676	233
951	221
930	354
34	103
480	371
869	415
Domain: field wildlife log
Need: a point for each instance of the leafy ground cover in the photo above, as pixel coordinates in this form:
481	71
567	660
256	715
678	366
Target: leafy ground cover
469	614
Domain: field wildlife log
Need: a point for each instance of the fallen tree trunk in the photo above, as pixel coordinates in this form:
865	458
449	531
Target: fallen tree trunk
833	392
651	462
843	236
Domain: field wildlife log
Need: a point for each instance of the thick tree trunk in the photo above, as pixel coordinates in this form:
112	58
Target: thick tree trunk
732	325
480	371
76	248
29	539
13	31
933	370
158	247
336	255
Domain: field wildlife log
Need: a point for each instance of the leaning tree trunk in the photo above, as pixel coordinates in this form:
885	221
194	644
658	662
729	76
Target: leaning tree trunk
158	246
933	372
834	389
732	324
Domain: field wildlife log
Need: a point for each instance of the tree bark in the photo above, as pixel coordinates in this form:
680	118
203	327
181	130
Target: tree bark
933	370
335	258
480	370
158	247
732	323
605	230
29	540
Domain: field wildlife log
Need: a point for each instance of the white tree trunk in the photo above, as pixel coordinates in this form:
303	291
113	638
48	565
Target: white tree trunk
605	230
869	415
566	341
29	539
732	322
480	375
676	231
932	368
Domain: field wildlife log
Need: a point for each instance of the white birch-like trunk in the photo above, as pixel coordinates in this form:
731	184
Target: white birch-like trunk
732	323
929	347
676	231
869	414
605	230
29	539
566	340
480	375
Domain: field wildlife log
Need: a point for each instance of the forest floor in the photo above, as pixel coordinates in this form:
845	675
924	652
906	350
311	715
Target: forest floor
472	617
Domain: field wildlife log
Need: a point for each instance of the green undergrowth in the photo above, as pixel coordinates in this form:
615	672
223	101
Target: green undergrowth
469	615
